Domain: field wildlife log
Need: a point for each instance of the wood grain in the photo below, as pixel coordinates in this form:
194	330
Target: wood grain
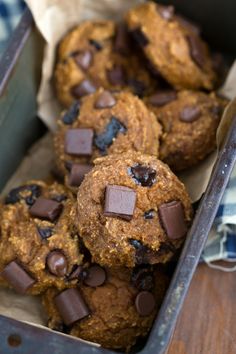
206	324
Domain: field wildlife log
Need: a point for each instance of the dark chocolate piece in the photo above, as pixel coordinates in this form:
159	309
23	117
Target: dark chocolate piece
57	263
45	232
162	98
173	219
96	276
77	173
76	273
21	193
166	12
79	142
196	50
189	114
143	175
138	87
117	75
84	88
142	278
104	140
105	100
17	277
119	201
83	59
71	306
73	112
46	209
140	37
149	214
121	43
145	303
96	44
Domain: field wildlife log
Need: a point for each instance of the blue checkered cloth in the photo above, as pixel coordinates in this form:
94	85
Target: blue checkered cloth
221	244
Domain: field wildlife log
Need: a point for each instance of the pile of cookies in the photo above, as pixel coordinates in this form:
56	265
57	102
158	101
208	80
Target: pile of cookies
138	96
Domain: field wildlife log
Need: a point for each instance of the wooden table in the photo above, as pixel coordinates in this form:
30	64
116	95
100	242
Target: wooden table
206	324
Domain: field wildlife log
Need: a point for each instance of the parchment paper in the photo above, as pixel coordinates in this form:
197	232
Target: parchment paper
54	18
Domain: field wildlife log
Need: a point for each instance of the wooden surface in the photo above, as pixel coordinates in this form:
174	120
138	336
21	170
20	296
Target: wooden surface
206	324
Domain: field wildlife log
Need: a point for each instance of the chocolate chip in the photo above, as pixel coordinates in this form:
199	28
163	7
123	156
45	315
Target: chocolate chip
143	175
76	273
105	100
121	43
104	140
117	75
96	276
77	173
119	201
143	254
57	263
142	278
149	214
45	232
84	88
189	114
71	306
173	219
83	59
17	277
196	50
145	303
79	142
162	98
46	209
96	44
137	86
73	112
29	193
140	37
166	12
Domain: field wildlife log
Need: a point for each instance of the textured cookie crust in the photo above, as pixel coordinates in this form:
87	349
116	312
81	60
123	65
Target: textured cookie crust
142	131
114	321
98	38
185	143
165	42
112	241
22	235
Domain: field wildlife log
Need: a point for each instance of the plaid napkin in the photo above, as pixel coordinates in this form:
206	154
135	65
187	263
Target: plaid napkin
221	244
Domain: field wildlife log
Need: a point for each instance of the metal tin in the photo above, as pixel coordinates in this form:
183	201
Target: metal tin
19	81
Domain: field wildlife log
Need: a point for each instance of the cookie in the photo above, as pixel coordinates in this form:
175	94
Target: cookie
173	47
132	210
98	54
189	121
103	123
39	242
115	313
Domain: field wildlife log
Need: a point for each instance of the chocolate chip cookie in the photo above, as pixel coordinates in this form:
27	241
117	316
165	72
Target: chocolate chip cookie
189	120
103	123
39	242
132	210
173	48
98	54
113	313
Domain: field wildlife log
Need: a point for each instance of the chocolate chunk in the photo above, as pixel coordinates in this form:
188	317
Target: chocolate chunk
45	232
137	86
96	44
196	50
162	98
173	219
145	303
71	306
73	112
77	173
149	214
117	75
140	37
57	263
143	175
121	43
77	273
84	88
119	201
142	278
79	142
189	114
166	12
17	277
46	209
83	59
29	193
104	140
96	276
105	100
